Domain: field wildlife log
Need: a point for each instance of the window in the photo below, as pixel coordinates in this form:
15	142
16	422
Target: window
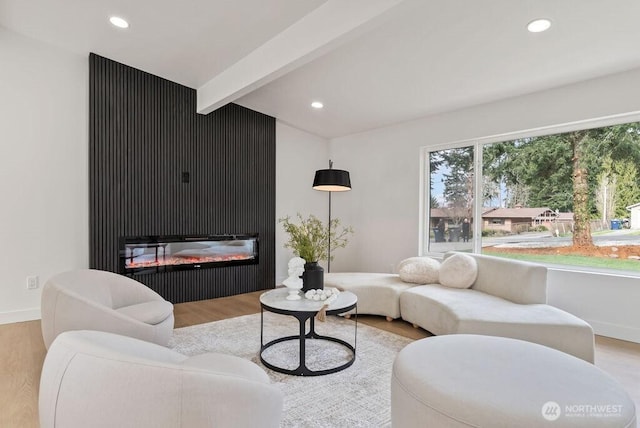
451	196
561	198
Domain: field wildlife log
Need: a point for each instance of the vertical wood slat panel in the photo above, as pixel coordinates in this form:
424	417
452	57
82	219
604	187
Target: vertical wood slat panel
143	133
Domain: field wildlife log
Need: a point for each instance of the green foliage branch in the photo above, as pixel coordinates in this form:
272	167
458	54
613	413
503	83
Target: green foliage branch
310	238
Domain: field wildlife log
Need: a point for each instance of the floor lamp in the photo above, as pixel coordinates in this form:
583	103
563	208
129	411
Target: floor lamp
331	180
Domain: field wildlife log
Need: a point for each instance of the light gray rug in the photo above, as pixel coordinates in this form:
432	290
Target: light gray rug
358	396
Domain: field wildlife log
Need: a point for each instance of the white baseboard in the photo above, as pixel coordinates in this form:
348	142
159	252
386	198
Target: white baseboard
19	316
616	331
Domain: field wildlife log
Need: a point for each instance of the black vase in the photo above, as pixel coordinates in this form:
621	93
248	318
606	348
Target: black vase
312	277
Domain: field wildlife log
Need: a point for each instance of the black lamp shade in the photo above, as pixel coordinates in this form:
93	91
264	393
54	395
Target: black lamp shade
332	180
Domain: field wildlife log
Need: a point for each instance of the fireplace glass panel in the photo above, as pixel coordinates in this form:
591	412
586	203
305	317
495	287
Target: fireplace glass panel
153	254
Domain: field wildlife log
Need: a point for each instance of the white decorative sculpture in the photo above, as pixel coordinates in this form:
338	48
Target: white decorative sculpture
294	282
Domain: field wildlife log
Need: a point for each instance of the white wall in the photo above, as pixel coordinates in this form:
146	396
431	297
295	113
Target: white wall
298	156
384	207
609	303
43	169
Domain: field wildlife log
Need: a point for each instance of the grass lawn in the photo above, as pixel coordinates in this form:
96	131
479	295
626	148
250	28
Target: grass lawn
559	259
607	232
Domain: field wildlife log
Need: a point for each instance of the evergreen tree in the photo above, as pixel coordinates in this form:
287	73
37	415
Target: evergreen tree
627	186
458	181
534	171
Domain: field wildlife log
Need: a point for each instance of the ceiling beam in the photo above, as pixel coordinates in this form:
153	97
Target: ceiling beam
329	25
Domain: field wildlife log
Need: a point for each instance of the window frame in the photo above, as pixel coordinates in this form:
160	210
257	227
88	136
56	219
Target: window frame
478	145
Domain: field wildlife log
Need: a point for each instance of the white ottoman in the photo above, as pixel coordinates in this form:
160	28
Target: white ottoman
378	293
484	381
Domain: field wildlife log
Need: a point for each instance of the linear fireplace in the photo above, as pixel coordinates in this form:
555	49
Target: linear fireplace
154	254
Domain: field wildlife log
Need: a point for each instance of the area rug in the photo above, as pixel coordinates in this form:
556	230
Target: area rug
358	396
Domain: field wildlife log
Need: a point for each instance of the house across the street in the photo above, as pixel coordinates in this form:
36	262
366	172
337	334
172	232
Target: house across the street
512	220
634	216
520	219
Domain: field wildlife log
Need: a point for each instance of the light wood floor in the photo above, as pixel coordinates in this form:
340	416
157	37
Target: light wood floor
22	353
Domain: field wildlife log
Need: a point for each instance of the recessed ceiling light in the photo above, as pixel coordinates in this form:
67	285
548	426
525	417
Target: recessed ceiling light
539	25
119	22
317	104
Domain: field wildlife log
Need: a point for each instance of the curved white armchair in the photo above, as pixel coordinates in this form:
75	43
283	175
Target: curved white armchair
97	379
104	301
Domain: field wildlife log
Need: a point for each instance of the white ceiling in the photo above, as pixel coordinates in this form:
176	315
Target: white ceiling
414	58
187	42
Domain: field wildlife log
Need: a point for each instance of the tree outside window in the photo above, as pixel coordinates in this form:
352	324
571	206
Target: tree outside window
560	198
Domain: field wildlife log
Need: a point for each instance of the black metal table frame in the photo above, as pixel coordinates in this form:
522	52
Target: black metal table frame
302	317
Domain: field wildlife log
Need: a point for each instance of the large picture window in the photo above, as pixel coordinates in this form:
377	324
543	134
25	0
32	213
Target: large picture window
570	198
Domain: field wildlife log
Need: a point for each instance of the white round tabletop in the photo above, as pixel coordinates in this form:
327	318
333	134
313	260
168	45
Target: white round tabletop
277	299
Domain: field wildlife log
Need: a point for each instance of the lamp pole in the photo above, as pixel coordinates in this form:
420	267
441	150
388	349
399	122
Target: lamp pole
329	227
331	180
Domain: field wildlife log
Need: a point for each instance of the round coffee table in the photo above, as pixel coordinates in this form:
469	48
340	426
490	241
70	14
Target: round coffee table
304	309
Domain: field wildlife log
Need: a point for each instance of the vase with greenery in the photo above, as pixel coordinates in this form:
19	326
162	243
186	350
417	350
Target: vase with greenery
310	239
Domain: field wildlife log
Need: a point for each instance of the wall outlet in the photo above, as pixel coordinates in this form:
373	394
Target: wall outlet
32	282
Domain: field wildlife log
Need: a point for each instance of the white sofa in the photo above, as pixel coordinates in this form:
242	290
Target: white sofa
508	299
97	379
98	300
378	293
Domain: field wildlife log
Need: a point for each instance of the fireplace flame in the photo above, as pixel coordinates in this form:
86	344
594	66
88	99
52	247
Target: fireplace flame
174	261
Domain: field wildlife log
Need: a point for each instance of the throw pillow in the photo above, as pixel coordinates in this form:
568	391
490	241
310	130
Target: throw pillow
458	271
419	270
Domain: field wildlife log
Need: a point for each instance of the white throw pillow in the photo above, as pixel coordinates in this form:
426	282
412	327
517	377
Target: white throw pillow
419	270
458	271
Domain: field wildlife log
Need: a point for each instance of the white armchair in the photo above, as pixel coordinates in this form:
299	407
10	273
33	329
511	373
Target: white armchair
104	301
97	379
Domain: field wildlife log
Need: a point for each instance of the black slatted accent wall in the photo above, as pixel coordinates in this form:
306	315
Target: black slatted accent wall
144	133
